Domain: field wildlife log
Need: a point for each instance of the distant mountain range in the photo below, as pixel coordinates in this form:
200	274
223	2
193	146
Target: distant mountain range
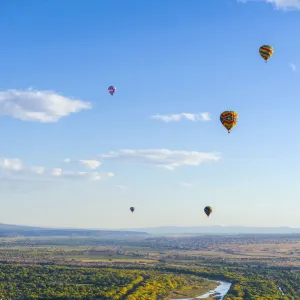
17	230
7	230
217	230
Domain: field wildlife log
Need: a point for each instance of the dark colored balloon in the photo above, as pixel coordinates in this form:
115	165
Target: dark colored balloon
132	209
208	210
112	89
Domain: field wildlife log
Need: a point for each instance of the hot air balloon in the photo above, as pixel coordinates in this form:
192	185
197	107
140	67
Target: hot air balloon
266	52
208	210
229	119
132	209
112	89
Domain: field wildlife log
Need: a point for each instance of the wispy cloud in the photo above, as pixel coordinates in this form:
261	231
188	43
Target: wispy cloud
293	67
90	164
279	4
168	159
205	116
41	106
60	173
11	164
15	169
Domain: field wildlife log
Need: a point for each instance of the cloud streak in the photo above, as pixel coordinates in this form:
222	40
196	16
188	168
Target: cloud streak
39	106
165	158
293	67
205	116
90	164
279	4
15	169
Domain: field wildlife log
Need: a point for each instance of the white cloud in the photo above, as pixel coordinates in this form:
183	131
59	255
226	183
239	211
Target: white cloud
38	170
14	168
186	184
41	106
279	4
293	66
57	172
90	164
205	116
162	157
13	164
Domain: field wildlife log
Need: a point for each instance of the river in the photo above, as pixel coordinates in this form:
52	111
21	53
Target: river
219	292
282	293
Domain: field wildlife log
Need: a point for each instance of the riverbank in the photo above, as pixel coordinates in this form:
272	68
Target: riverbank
190	292
218	291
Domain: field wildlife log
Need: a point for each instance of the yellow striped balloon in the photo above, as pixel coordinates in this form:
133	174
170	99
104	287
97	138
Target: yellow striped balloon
229	119
266	52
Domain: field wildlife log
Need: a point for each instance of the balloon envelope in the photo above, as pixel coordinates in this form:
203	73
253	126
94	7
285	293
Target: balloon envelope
208	210
229	119
112	89
266	51
132	209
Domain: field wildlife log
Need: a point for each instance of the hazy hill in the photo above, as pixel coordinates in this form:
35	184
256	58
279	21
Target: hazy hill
7	230
218	230
16	230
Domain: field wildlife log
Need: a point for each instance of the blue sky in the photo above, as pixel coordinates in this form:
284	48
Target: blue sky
62	155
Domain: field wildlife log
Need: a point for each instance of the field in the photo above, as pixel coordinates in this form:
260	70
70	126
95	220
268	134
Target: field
149	268
272	250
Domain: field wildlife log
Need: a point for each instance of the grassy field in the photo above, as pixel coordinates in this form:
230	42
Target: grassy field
287	254
106	258
192	292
